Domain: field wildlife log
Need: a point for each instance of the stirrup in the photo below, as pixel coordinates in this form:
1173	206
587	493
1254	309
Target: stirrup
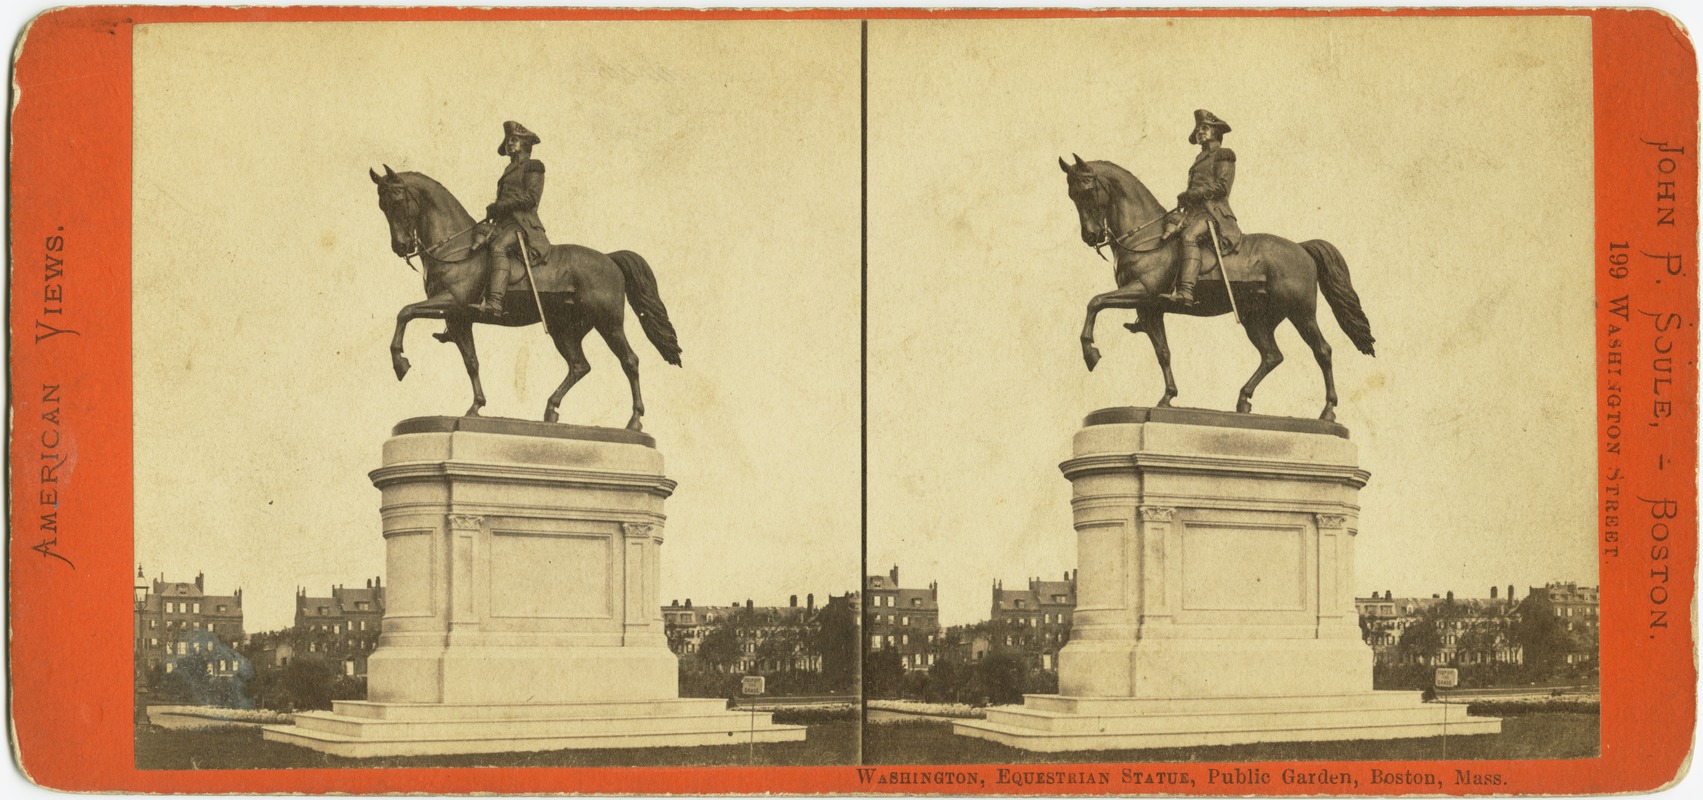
491	306
1179	297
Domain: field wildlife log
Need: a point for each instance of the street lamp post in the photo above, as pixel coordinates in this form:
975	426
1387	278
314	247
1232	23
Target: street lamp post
139	654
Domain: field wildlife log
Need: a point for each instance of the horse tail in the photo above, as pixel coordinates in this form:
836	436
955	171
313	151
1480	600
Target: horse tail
1339	291
646	301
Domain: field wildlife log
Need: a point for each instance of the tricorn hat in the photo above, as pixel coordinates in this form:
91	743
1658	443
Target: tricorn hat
512	128
1202	116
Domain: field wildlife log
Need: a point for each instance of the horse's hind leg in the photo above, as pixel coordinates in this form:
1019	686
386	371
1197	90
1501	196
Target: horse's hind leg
1260	333
1153	324
1309	330
568	343
461	332
616	337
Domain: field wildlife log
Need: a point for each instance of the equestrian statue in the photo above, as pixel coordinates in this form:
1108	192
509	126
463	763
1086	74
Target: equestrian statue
471	276
1162	257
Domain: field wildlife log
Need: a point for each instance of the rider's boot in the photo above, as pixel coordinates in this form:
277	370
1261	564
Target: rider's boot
493	304
1184	293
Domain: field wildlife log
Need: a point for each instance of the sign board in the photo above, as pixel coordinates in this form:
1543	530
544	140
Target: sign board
753	684
1447	678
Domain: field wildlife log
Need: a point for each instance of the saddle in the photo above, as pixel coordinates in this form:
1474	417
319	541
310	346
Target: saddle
1241	267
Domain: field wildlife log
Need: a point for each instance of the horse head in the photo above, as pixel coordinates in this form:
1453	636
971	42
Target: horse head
401	210
1091	197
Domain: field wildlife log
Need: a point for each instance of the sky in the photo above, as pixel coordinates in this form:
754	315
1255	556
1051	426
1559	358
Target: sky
265	290
1448	159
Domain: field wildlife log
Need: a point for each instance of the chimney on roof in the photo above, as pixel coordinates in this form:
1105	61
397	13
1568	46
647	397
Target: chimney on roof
810	601
1451	595
792	602
1510	593
199	577
369	583
688	602
934	589
894	575
378	582
1433	595
1493	593
675	604
1387	594
747	604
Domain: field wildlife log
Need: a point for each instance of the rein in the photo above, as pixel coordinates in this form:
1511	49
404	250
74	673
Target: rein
1118	241
431	251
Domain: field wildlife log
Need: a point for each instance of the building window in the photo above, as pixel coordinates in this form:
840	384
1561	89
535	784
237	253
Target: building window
875	642
362	605
1019	603
905	638
169	666
904	620
197	608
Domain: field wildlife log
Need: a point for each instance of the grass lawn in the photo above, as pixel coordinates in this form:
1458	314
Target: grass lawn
1533	736
243	748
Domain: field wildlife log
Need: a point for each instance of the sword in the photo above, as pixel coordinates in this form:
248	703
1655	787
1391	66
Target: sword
1223	269
538	296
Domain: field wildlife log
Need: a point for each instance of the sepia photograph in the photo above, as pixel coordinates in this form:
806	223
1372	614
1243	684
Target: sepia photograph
392	504
1126	504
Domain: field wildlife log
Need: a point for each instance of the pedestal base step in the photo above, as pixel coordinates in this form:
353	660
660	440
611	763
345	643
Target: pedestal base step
1054	723
365	730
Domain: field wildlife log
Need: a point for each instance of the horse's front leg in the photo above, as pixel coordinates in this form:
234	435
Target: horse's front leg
1129	296
433	307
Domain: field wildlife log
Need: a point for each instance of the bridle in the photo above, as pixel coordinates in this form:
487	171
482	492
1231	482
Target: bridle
413	211
1120	241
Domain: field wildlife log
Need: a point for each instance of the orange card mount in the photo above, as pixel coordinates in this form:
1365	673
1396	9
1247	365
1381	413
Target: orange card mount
80	179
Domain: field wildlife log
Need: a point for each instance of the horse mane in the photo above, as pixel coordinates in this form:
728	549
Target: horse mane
1129	186
435	194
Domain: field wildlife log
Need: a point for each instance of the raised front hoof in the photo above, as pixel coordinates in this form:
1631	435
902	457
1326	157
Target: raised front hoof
1090	356
1244	406
400	364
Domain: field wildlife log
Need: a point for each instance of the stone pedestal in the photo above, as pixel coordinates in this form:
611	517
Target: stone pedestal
1214	593
522	609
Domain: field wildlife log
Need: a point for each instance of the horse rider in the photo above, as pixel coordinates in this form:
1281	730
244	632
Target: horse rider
513	218
1206	200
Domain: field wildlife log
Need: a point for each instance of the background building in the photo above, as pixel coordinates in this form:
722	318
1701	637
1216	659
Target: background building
900	620
1552	632
343	626
1037	618
167	610
800	649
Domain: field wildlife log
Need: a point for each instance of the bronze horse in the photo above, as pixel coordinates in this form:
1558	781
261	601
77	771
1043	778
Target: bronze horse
1116	210
580	289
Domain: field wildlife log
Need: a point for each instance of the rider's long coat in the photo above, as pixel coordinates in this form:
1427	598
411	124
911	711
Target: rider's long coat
1210	179
518	192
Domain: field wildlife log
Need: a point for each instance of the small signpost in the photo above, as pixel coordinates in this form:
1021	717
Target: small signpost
752	686
1446	678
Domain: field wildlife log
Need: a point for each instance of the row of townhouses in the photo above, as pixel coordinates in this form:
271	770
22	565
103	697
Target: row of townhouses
1035	620
177	620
